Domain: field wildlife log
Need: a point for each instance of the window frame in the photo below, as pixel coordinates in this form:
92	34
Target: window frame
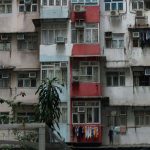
2	3
76	38
109	3
30	42
111	75
116	119
137	5
94	2
64	117
24	6
141	117
24	80
84	65
5	82
140	79
54	67
57	29
2	120
86	105
118	37
25	117
54	3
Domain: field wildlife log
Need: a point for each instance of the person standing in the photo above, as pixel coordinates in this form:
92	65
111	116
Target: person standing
110	134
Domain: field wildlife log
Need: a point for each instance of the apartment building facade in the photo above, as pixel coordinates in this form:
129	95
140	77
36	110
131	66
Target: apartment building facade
19	55
86	92
98	50
125	41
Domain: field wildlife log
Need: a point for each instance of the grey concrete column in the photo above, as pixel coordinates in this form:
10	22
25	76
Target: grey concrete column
42	142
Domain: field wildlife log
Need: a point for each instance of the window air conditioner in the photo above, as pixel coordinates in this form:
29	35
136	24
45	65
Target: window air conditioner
32	74
4	37
20	36
79	8
81	109
5	75
135	35
114	13
139	13
147	71
60	40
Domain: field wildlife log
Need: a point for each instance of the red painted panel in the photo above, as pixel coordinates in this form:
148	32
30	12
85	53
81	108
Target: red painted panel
86	89
86	49
92	14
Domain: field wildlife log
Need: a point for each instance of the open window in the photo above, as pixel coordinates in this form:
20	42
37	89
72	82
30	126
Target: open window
114	40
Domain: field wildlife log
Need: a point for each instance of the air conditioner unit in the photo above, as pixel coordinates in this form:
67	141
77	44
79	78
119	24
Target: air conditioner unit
79	8
5	75
4	37
20	36
139	13
147	71
27	1
63	65
79	24
135	34
75	78
60	40
114	13
81	109
32	74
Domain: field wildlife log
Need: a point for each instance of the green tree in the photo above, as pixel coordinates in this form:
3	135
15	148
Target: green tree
48	105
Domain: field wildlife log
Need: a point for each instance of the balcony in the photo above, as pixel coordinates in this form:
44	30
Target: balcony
91	14
54	12
86	50
133	96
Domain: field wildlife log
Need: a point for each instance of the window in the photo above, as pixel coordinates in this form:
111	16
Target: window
113	5
89	34
114	40
50	34
30	6
27	79
55	2
5	6
5	42
85	112
63	109
140	79
85	1
115	78
88	71
142	118
117	118
55	69
147	4
4	79
28	42
4	117
137	5
136	42
141	38
26	117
